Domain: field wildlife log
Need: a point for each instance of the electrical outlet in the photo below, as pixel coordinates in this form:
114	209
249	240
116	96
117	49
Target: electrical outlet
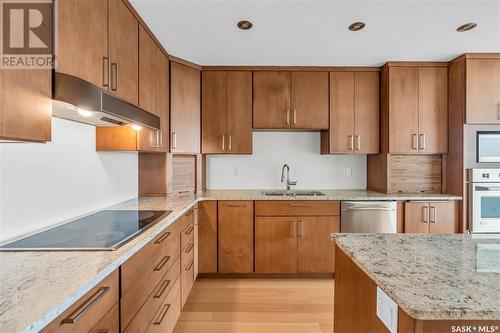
347	172
387	311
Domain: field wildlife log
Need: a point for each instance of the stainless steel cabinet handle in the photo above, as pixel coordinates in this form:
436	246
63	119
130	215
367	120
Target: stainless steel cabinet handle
230	142
163	237
298	205
223	142
293	230
162	263
425	212
301	228
367	208
421	141
174	140
105	71
433	214
105	330
162	315
294	117
162	289
358	142
414	139
189	248
114	76
351	141
189	265
75	316
189	230
486	188
287	117
236	206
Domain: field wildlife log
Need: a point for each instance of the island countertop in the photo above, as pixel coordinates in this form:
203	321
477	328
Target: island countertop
432	276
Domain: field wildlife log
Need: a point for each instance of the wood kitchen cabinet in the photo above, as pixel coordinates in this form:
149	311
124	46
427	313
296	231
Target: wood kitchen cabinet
207	236
226	112
290	100
431	217
185	108
354	114
235	236
415	102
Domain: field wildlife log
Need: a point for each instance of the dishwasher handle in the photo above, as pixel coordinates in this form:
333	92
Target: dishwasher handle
367	208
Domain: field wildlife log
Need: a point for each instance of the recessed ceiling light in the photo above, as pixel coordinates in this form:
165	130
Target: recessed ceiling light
245	25
136	127
466	27
356	26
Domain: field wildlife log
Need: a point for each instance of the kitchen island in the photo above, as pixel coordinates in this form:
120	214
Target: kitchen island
439	283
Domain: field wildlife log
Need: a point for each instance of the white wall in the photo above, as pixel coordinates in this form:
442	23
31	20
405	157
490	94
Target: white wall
44	184
271	150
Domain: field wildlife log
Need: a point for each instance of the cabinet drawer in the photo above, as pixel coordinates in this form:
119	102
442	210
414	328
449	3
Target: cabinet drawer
88	311
110	323
146	313
141	273
187	236
186	219
296	208
166	317
187	271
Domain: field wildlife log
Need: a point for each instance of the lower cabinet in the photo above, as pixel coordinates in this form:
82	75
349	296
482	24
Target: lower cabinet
166	317
431	217
187	262
207	240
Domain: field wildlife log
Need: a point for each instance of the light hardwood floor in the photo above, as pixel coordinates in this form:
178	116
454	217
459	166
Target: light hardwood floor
258	306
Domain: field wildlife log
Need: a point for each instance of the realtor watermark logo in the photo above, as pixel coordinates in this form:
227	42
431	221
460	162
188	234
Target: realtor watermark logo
27	38
474	328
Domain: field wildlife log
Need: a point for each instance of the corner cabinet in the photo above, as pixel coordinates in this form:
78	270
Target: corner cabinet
185	103
226	116
290	100
431	217
354	114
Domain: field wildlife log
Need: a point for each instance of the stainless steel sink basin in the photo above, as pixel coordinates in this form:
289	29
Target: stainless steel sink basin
282	193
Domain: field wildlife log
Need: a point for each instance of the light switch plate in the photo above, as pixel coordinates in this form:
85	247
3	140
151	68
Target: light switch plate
387	311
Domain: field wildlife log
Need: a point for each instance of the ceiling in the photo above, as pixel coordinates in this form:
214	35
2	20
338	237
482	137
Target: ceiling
315	32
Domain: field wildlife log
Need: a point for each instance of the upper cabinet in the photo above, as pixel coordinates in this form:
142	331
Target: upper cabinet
483	90
185	108
415	109
98	42
226	112
354	114
297	100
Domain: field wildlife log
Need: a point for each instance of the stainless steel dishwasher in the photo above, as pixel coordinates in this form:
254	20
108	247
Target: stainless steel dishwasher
368	216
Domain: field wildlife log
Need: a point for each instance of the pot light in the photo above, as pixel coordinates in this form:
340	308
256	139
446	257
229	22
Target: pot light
84	113
245	25
357	26
136	127
466	27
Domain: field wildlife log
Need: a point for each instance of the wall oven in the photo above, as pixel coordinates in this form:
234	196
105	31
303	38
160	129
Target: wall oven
484	200
482	146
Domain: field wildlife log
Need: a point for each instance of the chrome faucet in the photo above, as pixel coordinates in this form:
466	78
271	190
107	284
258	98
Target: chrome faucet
288	181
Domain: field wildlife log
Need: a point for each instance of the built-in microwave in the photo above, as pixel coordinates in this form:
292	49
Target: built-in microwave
482	146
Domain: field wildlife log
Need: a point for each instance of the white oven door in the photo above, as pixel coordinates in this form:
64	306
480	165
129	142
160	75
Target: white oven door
486	208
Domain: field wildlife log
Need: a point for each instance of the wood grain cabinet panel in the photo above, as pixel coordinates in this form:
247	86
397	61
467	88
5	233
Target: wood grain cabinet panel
213	112
187	270
82	34
185	102
167	315
271	100
147	72
235	246
207	236
110	323
431	217
483	91
366	112
316	251
275	245
239	113
416	217
123	52
309	100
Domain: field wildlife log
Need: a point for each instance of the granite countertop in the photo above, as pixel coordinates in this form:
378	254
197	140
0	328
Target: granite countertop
432	276
37	286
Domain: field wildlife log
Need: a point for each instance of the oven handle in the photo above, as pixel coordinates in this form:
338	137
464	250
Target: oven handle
487	188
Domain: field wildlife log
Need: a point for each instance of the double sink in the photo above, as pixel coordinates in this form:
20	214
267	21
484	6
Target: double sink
290	193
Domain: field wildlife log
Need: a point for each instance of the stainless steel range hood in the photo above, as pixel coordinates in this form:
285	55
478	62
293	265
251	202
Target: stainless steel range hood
78	100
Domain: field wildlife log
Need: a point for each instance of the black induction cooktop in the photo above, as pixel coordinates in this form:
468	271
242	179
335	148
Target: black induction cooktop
104	230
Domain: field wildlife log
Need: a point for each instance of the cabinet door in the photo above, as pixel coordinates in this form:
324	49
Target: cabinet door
443	217
167	315
342	112
416	217
235	236
123	51
403	110
316	251
185	108
82	33
207	236
213	112
163	99
483	91
239	112
433	110
309	100
276	245
366	113
271	100
148	70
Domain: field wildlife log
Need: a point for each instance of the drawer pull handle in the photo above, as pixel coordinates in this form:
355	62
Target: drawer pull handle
298	205
162	263
189	265
189	230
163	238
163	287
162	314
104	331
189	212
236	206
86	306
189	248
